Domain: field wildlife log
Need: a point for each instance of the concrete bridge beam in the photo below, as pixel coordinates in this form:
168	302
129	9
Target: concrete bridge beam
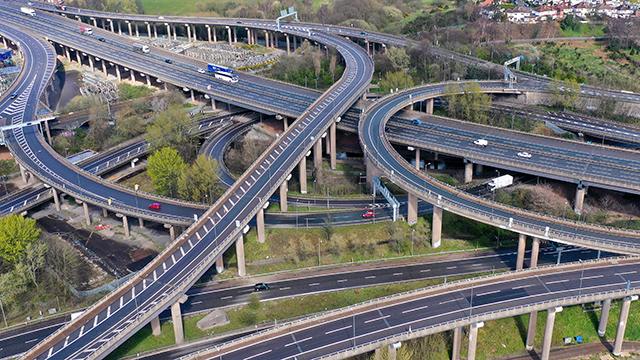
430	106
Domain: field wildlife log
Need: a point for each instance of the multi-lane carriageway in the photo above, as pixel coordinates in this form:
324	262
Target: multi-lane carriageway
163	282
227	210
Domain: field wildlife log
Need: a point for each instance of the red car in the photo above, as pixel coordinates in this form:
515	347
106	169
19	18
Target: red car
154	206
368	214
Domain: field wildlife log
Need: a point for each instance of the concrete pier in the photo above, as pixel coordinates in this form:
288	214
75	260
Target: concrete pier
242	271
473	340
436	227
548	332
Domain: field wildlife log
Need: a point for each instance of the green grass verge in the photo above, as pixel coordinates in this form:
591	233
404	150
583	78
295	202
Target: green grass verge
128	91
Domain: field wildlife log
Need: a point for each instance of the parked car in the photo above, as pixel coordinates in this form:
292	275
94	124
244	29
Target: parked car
369	214
524	154
481	142
261	287
155	206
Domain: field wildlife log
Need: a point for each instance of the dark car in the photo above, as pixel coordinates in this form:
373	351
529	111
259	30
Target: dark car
261	287
168	61
100	38
416	122
154	206
13	95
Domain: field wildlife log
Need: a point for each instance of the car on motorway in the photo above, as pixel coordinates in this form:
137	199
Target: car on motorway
13	95
524	154
369	214
261	287
363	33
168	61
416	122
238	22
155	206
100	38
160	17
481	142
202	71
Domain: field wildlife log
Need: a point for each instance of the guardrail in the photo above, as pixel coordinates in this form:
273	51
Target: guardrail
414	294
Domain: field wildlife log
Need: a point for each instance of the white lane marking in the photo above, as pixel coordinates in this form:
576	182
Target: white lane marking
285	288
556	282
30	341
226	297
370	277
451	267
342	280
448	301
415	309
314	284
397	274
256	355
196	302
425	270
489	293
592	277
336	330
625	273
521	287
376	319
299	341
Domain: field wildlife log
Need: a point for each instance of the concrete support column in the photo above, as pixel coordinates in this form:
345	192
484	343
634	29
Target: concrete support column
366	43
56	199
137	30
141	223
468	171
193	97
119	28
87	216
175	33
148	80
209	32
91	62
215	35
473	340
327	144
104	67
105	213
168	32
535	251
286	36
188	32
130	30
242	271
66	51
332	145
436	227
219	264
47	130
155	32
133	75
266	39
392	352
23	175
155	326
548	332
430	106
213	104
522	246
533	316
78	58
457	343
260	225
125	225
418	158
111	25
172	231
302	169
283	196
622	324
317	154
579	201
229	34
194	32
285	123
176	317
604	317
235	35
118	73
149	30
412	209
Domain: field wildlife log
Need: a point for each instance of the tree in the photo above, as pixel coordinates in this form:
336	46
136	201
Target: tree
565	92
164	168
13	286
399	58
170	128
199	182
16	234
129	125
475	104
328	229
422	230
452	92
396	80
7	167
33	260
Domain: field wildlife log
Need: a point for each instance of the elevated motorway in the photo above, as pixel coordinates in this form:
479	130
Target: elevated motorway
164	281
368	326
383	157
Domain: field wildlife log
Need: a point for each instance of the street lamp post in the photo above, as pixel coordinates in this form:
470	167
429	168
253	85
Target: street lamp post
136	187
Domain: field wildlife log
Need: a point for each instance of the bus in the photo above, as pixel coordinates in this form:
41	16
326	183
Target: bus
226	76
213	68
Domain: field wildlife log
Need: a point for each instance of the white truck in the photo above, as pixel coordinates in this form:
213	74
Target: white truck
500	182
27	11
141	48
